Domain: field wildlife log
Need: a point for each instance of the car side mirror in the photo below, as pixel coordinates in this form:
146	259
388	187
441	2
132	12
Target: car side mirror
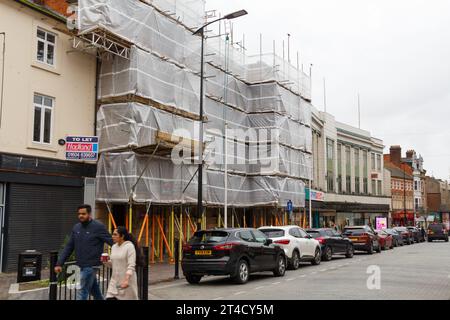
268	242
308	236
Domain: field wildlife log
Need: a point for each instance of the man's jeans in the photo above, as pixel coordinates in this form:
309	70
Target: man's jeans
89	285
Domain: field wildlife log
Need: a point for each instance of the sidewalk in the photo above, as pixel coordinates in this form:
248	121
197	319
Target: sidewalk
158	273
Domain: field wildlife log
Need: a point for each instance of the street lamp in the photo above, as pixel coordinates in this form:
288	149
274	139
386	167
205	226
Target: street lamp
201	31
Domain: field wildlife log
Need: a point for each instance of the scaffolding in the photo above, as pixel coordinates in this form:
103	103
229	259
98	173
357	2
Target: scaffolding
149	101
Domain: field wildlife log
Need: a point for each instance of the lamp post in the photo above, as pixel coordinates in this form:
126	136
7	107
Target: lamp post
201	31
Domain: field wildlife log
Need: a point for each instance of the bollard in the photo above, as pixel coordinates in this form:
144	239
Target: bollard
53	277
177	259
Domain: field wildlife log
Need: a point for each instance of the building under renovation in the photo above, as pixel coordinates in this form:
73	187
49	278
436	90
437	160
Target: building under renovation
257	141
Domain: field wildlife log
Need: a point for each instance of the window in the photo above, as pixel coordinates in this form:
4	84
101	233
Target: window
416	204
339	159
379	187
330	162
45	47
348	170
374	188
42	127
303	234
379	162
372	160
365	173
357	189
246	236
295	232
259	236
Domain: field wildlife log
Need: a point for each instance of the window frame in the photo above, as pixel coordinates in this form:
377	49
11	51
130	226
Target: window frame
43	109
46	44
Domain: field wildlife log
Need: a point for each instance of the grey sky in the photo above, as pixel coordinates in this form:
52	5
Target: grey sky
396	53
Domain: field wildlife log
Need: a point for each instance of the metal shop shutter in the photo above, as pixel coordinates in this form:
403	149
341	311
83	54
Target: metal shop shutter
39	217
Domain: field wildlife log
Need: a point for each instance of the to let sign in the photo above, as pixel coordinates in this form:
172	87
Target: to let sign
82	148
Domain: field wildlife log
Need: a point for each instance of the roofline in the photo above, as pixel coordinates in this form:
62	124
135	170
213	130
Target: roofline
45	11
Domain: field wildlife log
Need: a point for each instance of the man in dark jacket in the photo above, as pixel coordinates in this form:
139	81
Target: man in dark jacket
87	239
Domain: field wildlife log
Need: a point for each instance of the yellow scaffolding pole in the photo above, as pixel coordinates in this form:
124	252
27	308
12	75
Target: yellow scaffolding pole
130	219
172	233
164	238
153	239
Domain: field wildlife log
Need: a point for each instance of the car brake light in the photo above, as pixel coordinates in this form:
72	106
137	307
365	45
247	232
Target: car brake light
321	240
226	246
285	241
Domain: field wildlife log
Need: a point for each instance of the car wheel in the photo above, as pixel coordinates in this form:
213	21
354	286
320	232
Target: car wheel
350	252
242	273
379	248
295	261
280	270
328	254
429	240
370	251
317	258
446	239
193	279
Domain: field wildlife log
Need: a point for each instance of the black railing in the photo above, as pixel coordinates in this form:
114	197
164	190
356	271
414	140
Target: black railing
63	286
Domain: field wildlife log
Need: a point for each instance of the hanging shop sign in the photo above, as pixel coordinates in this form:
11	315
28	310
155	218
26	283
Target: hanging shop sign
315	195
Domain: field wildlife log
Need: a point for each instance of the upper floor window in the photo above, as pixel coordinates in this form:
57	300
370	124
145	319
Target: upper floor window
42	125
372	160
379	162
46	43
330	165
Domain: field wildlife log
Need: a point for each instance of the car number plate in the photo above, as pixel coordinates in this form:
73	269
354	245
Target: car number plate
353	239
202	252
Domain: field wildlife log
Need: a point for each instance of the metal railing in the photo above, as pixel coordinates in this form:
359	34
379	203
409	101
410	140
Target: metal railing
62	286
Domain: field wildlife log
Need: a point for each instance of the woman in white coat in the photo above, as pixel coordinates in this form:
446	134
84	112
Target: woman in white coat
123	283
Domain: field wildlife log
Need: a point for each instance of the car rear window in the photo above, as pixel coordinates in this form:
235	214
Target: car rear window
354	231
315	234
273	233
209	237
436	227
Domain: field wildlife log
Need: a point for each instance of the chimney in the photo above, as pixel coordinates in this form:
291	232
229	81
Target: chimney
410	154
396	155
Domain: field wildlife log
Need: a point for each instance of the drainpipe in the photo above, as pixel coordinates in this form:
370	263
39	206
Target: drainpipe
2	75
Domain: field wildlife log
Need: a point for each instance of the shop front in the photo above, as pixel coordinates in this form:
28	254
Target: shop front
400	218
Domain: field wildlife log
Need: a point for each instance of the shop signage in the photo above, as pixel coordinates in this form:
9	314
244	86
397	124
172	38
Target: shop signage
315	195
381	223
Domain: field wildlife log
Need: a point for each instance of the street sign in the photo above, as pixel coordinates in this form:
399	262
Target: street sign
81	148
289	206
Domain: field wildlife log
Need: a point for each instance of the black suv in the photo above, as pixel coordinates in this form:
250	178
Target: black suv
437	231
234	252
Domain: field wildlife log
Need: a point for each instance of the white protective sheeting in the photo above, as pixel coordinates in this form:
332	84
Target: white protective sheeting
142	25
164	182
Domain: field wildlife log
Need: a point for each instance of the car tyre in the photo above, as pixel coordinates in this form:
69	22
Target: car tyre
280	269
295	261
370	251
242	272
379	248
328	254
350	252
446	239
317	258
193	279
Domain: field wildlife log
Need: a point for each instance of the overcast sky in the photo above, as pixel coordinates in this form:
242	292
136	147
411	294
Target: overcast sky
395	53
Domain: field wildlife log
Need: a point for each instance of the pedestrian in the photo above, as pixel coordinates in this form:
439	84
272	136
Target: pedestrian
87	240
422	230
125	254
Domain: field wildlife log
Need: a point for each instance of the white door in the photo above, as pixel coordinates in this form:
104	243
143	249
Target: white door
2	220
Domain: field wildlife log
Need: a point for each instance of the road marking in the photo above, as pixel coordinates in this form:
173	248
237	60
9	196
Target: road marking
340	265
218	298
168	286
240	292
275	283
290	279
257	288
303	276
322	270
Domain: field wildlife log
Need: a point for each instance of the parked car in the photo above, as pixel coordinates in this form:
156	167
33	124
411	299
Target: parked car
364	238
407	234
417	234
397	237
332	242
298	246
386	240
235	252
437	231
